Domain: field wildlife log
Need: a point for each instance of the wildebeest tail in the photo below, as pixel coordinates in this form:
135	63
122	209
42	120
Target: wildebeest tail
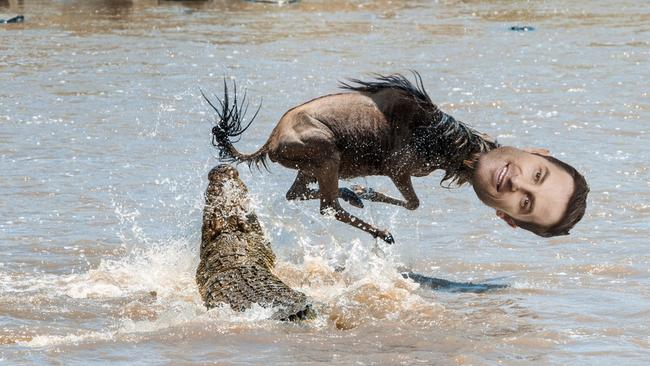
230	125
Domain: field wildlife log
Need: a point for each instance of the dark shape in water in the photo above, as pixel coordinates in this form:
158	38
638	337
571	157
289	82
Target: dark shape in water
236	257
522	28
16	19
279	2
451	286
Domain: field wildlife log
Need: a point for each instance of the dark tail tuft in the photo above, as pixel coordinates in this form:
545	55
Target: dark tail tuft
230	125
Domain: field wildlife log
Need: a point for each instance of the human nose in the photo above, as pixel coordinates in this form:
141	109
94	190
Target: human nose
517	183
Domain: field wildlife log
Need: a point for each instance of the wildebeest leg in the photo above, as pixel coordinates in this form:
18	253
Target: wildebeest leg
328	178
403	184
300	191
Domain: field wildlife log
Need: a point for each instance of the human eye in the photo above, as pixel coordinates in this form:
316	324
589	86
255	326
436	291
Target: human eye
525	202
538	175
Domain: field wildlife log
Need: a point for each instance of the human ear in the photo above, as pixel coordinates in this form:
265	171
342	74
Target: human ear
538	151
509	220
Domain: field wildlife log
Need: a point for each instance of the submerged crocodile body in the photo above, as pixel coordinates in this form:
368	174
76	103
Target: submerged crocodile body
236	257
16	19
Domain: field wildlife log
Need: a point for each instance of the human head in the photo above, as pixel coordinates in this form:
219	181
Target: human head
531	189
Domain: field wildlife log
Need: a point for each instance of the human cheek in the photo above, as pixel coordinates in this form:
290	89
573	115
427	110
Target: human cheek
507	204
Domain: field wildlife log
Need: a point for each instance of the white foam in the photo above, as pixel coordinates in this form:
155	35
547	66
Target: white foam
168	269
176	314
74	339
369	279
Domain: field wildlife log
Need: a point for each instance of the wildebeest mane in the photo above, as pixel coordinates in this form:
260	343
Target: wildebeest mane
395	81
451	144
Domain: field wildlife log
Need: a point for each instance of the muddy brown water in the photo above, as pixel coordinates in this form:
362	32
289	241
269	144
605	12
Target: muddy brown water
104	151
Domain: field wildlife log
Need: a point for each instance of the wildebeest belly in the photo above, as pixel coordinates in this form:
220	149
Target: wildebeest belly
361	159
361	132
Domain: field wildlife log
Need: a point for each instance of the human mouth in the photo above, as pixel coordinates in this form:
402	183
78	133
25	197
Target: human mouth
500	175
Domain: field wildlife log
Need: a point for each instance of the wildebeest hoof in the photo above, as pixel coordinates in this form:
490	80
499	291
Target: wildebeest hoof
519	28
386	236
16	19
351	197
364	192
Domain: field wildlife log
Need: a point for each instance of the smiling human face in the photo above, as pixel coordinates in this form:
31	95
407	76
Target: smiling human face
522	186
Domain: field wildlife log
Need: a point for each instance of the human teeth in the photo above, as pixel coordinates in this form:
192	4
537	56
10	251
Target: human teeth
501	175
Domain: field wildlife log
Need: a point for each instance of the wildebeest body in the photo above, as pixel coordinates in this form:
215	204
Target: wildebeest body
368	133
385	127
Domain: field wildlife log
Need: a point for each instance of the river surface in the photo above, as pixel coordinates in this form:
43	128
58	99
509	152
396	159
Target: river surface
105	147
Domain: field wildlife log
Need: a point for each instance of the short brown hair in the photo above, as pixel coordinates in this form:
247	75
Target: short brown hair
575	207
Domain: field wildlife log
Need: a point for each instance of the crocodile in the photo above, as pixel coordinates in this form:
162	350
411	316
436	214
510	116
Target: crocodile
236	259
